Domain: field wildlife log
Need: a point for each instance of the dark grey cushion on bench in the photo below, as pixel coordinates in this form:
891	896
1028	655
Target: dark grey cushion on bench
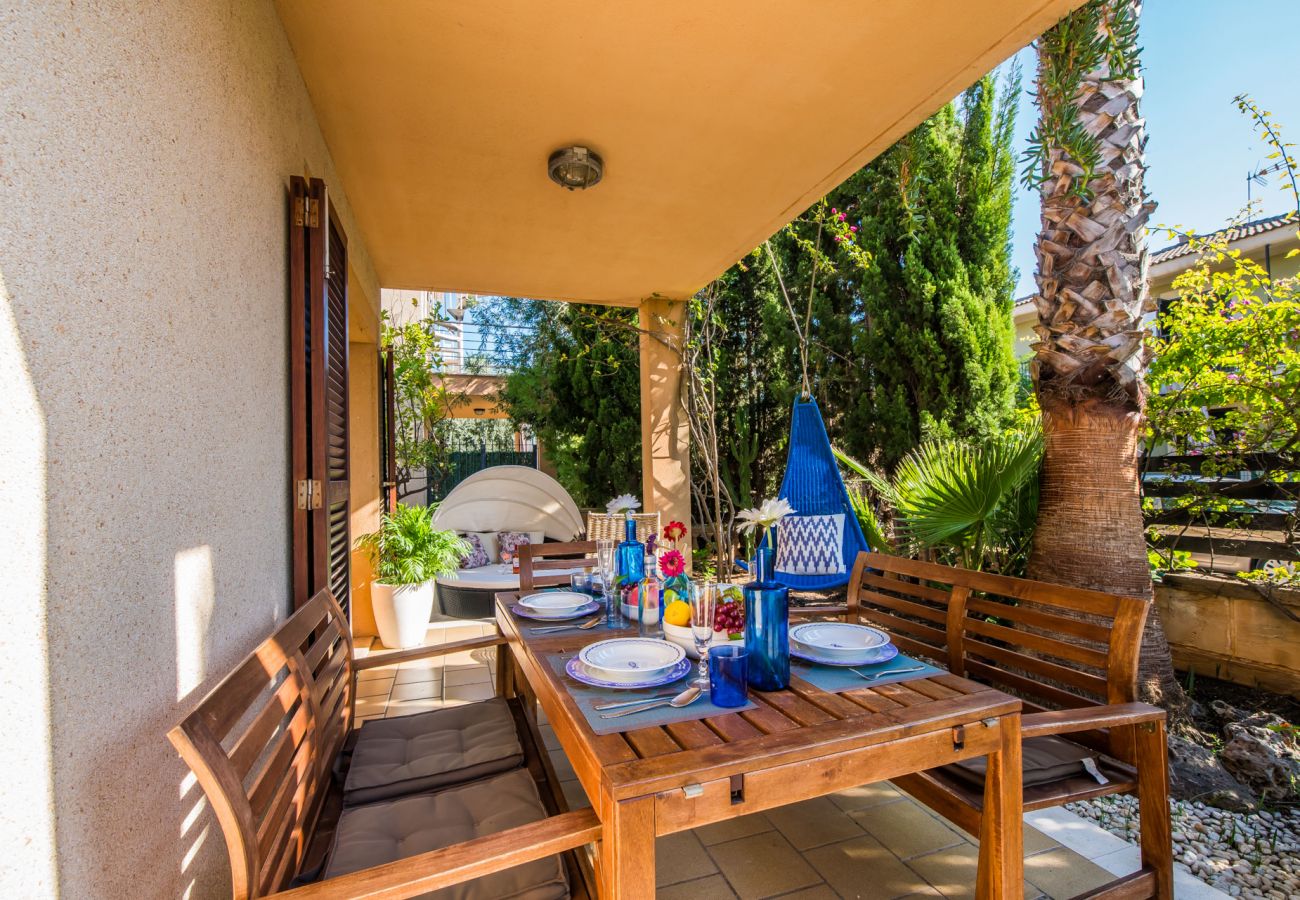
413	754
380	833
1046	759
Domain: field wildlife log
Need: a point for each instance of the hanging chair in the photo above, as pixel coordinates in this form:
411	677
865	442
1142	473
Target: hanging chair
812	485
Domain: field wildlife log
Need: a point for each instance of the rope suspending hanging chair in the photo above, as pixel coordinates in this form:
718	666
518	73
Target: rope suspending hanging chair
813	487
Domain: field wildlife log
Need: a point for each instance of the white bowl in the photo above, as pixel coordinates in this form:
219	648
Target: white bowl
554	603
630	659
839	640
681	636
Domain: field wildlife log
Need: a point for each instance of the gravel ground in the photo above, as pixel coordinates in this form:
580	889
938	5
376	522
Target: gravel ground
1250	855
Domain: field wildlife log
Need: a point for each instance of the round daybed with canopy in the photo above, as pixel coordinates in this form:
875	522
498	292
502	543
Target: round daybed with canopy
495	500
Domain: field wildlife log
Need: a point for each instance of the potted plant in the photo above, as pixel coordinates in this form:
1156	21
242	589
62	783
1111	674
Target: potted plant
406	554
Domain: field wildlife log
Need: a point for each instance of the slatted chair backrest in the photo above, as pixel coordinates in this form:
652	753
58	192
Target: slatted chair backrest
603	526
263	741
1056	647
540	563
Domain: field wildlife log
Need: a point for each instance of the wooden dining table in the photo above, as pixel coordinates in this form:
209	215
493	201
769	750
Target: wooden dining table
795	744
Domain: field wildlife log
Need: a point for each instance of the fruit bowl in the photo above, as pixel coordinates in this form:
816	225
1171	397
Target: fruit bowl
681	636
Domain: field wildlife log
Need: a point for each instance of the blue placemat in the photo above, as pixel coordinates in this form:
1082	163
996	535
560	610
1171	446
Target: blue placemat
587	697
834	679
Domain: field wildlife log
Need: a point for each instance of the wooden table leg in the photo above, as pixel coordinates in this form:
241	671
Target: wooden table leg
1002	838
627	849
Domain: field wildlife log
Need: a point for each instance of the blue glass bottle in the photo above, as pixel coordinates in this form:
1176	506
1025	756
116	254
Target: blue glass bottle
767	626
629	567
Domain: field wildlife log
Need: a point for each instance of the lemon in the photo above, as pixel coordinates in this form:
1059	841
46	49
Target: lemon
678	613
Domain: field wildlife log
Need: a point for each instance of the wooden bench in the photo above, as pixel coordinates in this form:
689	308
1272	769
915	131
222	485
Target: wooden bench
537	562
264	744
1070	654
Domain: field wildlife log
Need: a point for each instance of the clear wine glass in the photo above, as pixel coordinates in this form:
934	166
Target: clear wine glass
605	550
704	605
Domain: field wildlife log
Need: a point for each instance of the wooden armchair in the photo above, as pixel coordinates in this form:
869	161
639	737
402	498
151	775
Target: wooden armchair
538	563
264	744
1071	656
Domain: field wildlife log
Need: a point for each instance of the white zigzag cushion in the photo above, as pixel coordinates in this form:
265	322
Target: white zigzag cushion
811	545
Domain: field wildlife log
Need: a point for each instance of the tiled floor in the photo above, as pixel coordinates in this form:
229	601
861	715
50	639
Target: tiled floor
870	842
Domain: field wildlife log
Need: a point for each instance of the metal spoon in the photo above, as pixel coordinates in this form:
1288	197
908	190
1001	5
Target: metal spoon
876	675
685	698
547	629
637	702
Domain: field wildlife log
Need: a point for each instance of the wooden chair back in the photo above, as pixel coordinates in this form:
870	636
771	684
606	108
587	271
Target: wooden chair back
537	560
263	740
602	526
1055	647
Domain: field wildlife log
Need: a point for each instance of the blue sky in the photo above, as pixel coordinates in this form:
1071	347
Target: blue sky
1197	56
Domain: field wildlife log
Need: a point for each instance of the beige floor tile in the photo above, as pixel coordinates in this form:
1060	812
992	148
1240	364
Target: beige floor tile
681	857
374	688
455	694
713	887
818	892
731	829
549	737
763	865
906	828
384	674
471	675
371	706
574	795
866	795
861	867
411	707
1062	873
417	674
1037	842
563	768
813	823
419	690
953	871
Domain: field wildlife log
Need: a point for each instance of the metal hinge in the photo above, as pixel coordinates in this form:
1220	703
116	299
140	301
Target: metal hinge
306	210
310	492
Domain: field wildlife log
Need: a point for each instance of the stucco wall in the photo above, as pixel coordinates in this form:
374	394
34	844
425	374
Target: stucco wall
144	156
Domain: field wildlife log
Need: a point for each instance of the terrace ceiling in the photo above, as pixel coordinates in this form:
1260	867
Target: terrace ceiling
718	122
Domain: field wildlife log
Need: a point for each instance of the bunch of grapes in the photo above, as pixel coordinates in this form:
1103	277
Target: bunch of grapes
729	617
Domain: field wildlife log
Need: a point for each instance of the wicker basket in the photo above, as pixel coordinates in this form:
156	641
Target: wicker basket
604	527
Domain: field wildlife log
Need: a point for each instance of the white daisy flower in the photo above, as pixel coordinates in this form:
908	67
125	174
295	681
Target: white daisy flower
624	503
765	515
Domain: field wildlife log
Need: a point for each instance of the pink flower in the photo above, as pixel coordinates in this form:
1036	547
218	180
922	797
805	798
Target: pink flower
838	238
834	211
843	217
853	228
672	563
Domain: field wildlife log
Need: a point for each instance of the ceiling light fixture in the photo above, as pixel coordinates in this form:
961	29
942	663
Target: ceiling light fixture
575	168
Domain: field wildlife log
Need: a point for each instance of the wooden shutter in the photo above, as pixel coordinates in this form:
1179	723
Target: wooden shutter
388	415
318	336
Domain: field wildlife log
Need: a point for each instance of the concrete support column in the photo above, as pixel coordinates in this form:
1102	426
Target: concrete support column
665	435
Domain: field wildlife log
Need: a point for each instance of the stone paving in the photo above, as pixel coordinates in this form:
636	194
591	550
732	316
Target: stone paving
871	842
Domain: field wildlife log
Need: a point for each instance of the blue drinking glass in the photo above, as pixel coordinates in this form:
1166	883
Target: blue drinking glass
767	626
727	675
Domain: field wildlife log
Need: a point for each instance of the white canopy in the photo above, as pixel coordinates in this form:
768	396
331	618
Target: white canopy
510	498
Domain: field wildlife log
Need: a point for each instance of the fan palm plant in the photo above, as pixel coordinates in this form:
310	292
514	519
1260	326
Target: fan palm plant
972	505
407	549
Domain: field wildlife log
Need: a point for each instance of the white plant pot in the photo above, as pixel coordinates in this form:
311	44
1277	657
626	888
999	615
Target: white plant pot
402	612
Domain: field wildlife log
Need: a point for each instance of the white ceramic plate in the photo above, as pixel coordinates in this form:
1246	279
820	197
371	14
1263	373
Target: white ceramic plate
630	659
840	640
554	601
871	657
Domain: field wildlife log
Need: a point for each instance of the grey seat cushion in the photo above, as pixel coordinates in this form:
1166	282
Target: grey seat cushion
1045	759
413	754
380	833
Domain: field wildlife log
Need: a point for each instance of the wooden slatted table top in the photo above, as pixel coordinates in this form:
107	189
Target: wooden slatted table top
788	727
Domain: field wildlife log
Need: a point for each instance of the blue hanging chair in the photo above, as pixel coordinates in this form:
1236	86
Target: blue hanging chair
812	485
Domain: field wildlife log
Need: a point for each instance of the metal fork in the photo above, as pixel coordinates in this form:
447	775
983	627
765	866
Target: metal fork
547	629
873	677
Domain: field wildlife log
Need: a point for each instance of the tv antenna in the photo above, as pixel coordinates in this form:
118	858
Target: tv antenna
1260	177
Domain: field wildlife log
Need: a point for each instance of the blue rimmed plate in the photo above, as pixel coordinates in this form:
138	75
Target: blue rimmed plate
585	609
868	658
579	672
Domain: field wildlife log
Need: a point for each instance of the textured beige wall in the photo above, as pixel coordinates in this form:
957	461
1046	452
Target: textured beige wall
144	156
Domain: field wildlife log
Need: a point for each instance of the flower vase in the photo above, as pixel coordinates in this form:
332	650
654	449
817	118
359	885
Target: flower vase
676	588
767	621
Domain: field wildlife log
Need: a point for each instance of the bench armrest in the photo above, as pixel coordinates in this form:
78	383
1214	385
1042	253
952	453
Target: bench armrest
458	863
1064	721
401	656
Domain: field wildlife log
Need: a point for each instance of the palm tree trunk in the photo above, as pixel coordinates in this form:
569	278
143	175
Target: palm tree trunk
1089	532
1089	359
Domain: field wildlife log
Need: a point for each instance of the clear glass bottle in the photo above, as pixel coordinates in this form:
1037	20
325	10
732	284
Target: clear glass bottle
649	601
630	567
